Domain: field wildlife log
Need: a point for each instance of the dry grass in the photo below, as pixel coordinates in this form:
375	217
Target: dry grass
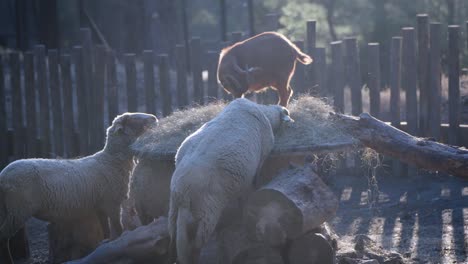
312	128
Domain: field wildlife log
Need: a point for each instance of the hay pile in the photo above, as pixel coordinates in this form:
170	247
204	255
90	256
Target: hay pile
312	129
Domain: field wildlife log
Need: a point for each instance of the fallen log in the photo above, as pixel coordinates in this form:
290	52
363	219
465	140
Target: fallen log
420	152
293	203
145	244
236	248
311	248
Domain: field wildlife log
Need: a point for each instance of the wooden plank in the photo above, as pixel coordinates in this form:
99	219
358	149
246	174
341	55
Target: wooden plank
250	8
236	37
395	83
67	99
223	19
56	104
213	87
87	79
195	55
181	68
337	70
44	110
454	84
353	74
299	73
17	106
408	78
373	78
30	94
435	72
423	73
99	77
130	73
3	118
82	104
148	71
395	80
321	70
164	84
272	22
112	87
311	32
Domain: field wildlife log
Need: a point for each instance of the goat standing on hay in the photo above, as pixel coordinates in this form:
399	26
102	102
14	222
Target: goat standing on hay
267	59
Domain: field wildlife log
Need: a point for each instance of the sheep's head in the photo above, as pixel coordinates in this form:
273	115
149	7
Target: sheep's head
126	128
276	114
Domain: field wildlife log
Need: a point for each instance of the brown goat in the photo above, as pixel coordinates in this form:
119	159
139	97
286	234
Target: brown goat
267	59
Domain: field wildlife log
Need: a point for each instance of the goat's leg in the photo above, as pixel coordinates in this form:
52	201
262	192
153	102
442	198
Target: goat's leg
285	92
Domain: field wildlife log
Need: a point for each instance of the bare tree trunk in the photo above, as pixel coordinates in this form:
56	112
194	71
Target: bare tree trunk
330	6
421	152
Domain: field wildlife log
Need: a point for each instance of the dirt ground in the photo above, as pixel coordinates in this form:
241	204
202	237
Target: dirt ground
424	217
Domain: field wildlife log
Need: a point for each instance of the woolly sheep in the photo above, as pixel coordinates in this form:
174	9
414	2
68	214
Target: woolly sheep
57	190
149	188
215	166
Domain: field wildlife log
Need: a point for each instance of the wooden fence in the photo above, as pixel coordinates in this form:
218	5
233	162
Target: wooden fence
58	103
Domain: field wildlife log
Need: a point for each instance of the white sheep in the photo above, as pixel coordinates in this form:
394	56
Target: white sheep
59	190
149	188
215	166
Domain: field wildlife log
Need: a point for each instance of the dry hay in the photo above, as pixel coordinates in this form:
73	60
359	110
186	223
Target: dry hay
312	129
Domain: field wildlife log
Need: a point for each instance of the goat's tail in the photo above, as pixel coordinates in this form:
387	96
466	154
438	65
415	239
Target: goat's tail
301	56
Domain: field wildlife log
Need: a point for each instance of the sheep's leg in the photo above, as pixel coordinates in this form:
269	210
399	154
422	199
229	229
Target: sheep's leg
104	224
114	217
172	254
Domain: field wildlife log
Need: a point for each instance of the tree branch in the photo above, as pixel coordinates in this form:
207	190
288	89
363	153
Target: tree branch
421	152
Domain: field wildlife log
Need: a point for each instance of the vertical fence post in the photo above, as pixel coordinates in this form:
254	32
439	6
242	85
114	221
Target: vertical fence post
374	78
164	84
55	101
435	79
236	36
395	83
82	104
130	72
223	18
353	74
148	70
3	119
408	79
337	70
67	98
112	87
250	7
423	74
299	75
87	81
454	84
17	106
212	75
321	70
195	55
311	28
30	90
182	88
100	65
44	118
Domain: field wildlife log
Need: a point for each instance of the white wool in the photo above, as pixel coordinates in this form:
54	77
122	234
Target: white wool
55	190
215	165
